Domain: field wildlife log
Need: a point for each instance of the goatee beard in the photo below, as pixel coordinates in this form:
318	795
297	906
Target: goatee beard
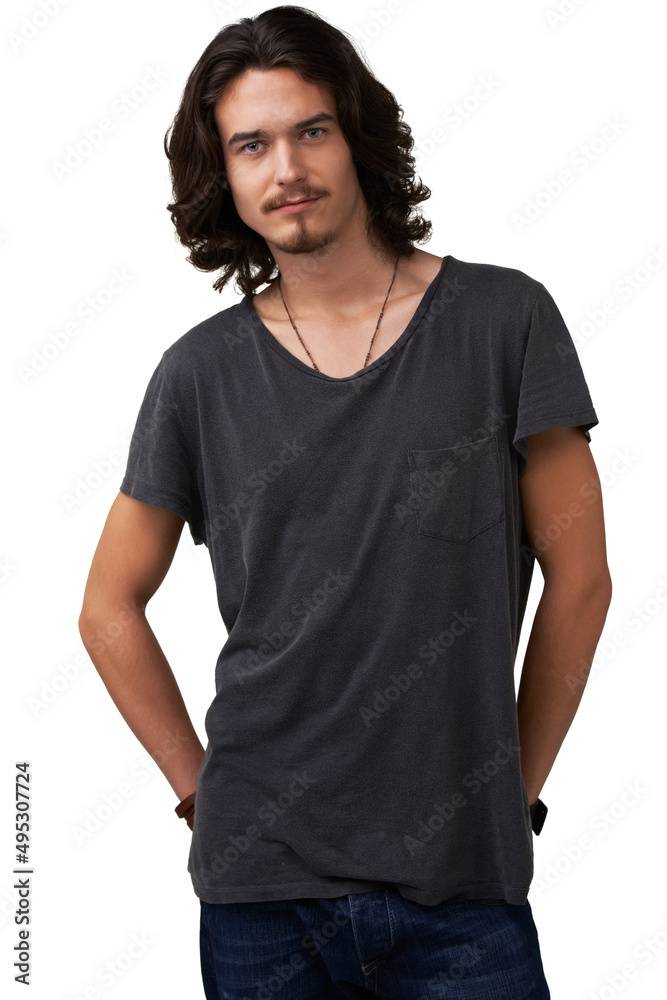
303	241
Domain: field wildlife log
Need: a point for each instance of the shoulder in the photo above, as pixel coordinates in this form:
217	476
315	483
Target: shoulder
489	303
491	282
210	342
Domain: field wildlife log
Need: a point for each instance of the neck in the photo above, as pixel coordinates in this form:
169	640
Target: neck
338	279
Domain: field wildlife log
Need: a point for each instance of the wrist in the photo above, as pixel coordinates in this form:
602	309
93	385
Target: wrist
183	775
538	812
186	809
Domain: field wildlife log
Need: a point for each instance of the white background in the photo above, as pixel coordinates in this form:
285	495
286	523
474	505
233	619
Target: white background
555	86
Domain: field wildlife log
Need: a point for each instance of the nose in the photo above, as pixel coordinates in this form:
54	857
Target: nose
288	165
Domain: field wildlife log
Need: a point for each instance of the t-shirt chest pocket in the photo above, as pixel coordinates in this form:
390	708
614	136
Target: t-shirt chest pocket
457	492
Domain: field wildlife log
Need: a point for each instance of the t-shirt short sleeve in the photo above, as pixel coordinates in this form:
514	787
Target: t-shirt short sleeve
553	390
159	470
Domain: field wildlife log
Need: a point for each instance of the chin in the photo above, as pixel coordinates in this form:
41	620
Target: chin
303	241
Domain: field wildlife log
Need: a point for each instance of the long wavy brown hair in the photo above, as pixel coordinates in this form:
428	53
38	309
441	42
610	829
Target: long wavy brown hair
370	118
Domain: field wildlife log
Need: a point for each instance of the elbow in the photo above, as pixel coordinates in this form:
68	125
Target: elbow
101	623
607	585
91	627
599	587
591	598
87	626
91	617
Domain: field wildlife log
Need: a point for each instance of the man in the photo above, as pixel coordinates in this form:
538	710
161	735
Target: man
375	448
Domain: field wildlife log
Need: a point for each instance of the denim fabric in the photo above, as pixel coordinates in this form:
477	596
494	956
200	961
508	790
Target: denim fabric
370	944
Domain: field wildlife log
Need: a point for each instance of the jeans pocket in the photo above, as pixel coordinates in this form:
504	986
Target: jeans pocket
457	491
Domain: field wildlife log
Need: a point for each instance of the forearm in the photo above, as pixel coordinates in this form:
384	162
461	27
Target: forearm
141	683
565	633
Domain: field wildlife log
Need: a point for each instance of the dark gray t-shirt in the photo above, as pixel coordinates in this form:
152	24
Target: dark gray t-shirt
372	570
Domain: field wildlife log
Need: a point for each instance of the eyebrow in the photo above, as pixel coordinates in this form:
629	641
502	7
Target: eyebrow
261	134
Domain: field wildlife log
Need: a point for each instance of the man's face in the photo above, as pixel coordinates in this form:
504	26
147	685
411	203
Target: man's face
282	143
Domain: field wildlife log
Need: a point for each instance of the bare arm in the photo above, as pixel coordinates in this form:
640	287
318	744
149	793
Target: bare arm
131	560
560	479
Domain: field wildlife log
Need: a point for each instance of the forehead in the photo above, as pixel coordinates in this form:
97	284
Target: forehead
271	98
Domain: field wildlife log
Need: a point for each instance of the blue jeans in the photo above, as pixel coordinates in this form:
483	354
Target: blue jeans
370	944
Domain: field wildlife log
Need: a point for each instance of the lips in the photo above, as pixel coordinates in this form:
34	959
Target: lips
294	206
298	201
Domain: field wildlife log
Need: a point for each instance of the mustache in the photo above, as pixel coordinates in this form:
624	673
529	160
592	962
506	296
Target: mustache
299	196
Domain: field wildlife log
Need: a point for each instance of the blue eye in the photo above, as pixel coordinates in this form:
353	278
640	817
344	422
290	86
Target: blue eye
257	142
